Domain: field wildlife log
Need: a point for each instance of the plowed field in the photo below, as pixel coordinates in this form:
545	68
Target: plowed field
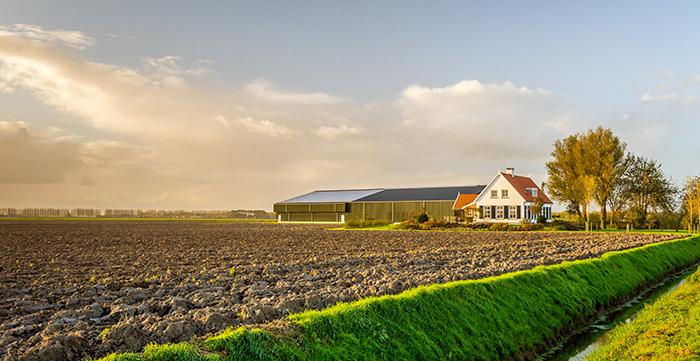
73	289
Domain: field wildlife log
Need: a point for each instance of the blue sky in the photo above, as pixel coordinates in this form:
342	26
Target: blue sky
320	80
595	52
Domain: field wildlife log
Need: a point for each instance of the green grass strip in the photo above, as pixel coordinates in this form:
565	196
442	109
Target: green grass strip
139	219
504	317
668	329
166	352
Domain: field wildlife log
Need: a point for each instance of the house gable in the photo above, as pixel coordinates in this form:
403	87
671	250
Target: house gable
499	183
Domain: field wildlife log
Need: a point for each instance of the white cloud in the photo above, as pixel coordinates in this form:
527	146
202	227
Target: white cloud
119	36
75	39
105	96
264	127
648	97
261	89
332	133
171	65
491	120
168	70
667	97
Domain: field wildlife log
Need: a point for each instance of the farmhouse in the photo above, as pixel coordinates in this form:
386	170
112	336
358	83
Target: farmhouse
507	198
510	198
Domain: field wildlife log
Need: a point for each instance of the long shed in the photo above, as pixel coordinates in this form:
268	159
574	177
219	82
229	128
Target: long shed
377	204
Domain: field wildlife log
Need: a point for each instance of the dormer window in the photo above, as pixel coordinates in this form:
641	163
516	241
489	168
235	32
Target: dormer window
504	193
533	191
494	194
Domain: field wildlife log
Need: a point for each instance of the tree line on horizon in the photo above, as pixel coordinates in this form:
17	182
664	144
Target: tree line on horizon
595	168
133	213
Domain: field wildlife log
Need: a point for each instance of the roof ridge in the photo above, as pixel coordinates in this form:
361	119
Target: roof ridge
430	187
348	190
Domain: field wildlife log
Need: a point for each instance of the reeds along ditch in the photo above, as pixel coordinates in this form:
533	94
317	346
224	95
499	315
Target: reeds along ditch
511	316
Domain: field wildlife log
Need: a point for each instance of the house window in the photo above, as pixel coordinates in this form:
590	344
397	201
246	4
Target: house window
487	212
534	192
499	212
513	212
504	193
494	194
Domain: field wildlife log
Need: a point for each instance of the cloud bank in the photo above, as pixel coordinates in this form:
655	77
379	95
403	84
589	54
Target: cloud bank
75	39
147	137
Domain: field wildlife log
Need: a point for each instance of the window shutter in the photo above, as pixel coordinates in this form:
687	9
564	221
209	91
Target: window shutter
505	212
481	212
493	212
519	216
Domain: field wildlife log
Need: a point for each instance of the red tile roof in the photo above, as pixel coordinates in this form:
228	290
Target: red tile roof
521	184
463	200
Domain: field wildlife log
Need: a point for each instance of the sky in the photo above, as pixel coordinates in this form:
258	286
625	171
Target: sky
226	105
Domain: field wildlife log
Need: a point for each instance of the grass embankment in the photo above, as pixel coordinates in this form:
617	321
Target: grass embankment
215	220
504	317
668	329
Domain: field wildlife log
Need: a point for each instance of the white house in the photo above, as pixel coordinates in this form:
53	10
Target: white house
508	198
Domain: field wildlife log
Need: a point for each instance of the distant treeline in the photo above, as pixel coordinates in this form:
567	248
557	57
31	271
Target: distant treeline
134	213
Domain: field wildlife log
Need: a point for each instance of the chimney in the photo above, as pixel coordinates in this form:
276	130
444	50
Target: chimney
510	171
543	184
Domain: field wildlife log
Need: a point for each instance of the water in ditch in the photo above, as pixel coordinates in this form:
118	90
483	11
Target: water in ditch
587	339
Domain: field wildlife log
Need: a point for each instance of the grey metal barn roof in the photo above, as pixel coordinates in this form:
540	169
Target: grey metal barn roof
421	194
385	195
332	196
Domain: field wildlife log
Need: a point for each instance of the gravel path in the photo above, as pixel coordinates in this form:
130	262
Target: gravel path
70	290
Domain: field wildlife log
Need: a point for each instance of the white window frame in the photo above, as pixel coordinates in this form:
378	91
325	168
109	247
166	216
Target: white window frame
504	193
533	191
500	212
513	212
487	212
494	193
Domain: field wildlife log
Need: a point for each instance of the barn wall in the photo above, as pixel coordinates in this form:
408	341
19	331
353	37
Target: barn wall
368	211
310	212
398	211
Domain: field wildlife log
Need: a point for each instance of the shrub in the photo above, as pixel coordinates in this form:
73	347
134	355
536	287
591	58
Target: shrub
498	227
561	225
422	218
524	227
434	224
478	225
428	225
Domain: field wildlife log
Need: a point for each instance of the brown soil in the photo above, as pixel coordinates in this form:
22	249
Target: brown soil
71	290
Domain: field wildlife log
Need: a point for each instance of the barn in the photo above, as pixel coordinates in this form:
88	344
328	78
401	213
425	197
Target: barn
377	204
